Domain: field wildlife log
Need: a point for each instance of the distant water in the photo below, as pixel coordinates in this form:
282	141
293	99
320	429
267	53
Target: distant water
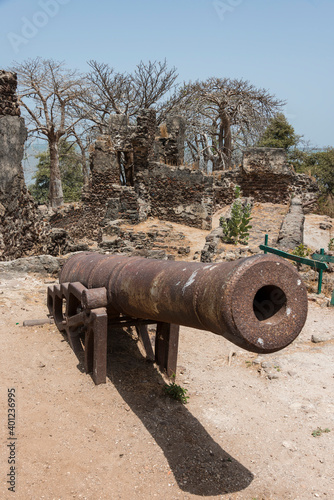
30	161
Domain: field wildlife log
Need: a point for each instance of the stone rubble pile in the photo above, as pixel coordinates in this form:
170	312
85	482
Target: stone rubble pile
155	243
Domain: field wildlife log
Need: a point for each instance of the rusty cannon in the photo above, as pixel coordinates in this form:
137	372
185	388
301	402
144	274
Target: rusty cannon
258	303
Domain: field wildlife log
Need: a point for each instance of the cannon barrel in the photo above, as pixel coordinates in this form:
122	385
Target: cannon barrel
258	303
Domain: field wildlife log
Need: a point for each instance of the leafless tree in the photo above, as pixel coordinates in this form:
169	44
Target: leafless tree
153	85
82	139
150	85
224	115
111	93
50	94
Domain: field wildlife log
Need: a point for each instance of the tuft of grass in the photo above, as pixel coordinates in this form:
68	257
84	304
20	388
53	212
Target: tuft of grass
331	244
318	431
177	392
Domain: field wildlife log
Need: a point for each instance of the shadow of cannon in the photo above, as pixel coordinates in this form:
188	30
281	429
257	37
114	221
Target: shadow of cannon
199	464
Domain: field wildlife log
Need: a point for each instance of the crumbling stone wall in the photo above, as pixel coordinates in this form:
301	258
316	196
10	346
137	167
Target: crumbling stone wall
126	205
264	176
171	193
179	195
9	105
305	187
81	221
169	143
143	140
120	131
106	198
13	134
22	232
104	168
139	197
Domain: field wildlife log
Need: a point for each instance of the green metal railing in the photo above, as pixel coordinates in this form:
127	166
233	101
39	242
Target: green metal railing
317	262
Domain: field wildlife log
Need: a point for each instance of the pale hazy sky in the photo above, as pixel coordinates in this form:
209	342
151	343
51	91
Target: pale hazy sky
285	46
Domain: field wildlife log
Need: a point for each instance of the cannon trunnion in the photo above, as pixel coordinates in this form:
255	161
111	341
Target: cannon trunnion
258	303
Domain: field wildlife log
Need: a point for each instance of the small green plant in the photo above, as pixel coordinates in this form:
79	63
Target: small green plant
236	228
319	431
301	251
331	245
176	392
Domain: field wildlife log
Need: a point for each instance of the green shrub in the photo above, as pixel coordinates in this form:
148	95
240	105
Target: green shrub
236	228
301	250
176	392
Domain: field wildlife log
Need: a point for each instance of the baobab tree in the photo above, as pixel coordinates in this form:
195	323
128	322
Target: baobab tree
222	115
51	95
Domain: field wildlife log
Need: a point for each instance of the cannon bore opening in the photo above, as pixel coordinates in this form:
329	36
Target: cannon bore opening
269	303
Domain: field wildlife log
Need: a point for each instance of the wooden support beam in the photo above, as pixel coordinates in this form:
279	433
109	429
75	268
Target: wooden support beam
166	347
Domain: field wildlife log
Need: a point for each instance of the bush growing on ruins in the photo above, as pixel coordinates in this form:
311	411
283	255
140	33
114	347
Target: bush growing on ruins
236	228
279	134
71	174
319	164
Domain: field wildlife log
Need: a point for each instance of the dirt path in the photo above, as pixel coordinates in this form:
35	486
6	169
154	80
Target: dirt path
241	436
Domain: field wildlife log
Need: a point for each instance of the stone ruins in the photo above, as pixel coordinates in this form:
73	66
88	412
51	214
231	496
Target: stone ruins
137	171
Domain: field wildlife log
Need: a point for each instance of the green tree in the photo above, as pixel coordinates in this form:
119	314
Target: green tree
319	164
71	174
279	134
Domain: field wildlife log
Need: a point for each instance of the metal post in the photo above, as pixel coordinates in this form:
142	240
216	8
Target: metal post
322	252
266	242
332	299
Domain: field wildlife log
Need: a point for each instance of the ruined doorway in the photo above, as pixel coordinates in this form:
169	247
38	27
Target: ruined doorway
125	163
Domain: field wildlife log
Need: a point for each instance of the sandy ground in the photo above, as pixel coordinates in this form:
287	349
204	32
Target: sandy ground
246	432
314	236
